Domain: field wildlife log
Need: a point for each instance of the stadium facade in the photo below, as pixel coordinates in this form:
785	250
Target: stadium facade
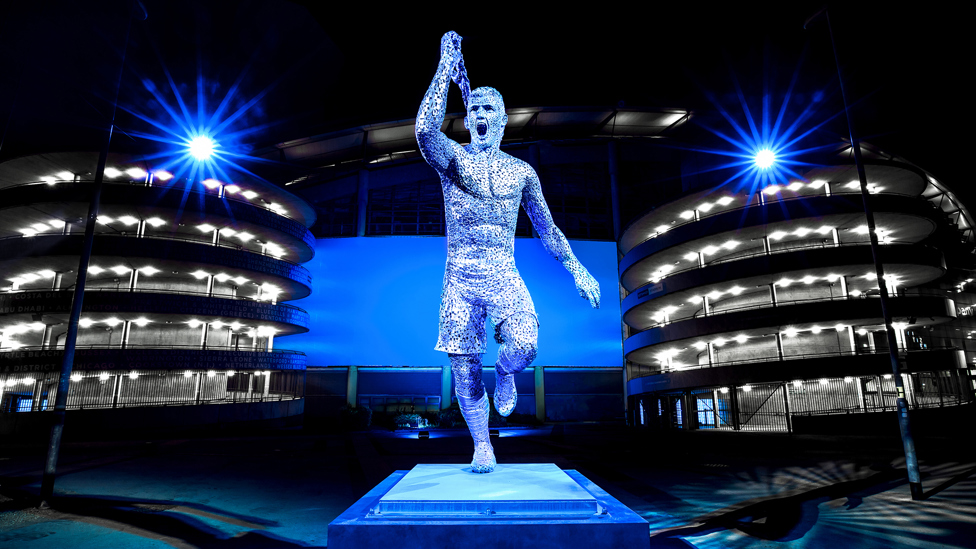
742	308
185	297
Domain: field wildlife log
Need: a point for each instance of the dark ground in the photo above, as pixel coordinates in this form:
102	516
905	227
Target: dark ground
281	488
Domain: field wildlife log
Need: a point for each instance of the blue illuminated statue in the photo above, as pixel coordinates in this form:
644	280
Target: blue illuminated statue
483	188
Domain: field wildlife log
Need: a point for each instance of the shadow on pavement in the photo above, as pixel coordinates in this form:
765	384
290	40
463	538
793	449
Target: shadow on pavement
783	517
180	524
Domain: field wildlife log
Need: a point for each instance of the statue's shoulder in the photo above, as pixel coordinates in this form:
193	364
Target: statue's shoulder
515	163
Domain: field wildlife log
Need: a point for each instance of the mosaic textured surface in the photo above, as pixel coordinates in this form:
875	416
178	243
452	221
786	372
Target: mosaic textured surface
483	190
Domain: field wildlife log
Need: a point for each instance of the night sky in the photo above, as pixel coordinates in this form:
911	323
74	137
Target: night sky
311	67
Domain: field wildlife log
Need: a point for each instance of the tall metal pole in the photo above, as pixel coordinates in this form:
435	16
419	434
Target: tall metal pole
78	297
904	426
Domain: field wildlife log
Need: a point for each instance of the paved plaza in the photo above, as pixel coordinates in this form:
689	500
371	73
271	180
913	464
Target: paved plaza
279	489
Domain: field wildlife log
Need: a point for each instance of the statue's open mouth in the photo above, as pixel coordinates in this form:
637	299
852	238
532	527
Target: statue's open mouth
482	128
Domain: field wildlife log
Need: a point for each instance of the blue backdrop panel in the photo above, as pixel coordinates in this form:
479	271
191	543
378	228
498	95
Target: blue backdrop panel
375	302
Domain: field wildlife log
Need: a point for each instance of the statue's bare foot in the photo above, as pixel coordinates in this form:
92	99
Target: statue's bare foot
484	458
505	395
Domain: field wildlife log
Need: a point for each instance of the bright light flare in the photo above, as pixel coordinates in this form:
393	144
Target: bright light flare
201	147
764	159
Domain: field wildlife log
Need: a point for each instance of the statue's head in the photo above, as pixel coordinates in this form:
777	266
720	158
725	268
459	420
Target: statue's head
486	117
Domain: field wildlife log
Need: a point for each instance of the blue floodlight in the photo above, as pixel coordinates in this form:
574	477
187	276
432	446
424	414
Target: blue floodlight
201	147
765	158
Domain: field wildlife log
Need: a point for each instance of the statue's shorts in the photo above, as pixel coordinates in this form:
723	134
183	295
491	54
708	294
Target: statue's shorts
467	300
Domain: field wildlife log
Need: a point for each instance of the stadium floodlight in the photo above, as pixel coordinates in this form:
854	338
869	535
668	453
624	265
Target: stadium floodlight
765	158
201	147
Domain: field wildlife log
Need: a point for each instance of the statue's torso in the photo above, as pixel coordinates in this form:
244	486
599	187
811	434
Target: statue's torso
482	194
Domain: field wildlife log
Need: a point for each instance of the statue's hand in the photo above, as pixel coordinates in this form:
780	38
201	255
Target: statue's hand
587	286
450	49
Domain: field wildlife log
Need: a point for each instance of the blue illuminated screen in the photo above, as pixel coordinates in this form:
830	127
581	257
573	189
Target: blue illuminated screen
375	302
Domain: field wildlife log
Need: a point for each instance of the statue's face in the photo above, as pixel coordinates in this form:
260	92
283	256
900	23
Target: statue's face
486	120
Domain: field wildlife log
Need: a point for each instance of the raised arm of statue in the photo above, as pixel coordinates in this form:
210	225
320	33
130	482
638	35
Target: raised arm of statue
437	148
555	241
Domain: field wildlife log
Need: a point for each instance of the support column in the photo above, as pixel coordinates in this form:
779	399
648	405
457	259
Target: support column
216	237
56	284
126	327
706	309
540	393
117	391
197	387
205	330
779	345
210	285
900	338
881	396
270	342
141	229
36	396
836	236
734	405
827	188
786	406
614	186
843	287
352	387
765	244
689	417
909	384
861	394
133	279
267	384
362	202
46	338
851	339
446	380
718	418
711	353
772	294
626	390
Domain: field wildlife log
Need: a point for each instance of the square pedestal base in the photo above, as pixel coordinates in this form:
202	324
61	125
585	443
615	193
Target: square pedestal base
535	506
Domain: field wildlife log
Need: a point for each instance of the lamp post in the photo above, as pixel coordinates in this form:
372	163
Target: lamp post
77	298
904	426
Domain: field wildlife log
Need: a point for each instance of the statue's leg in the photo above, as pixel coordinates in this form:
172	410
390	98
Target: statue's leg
473	401
520	335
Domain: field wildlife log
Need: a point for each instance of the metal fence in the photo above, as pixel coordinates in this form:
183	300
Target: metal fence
91	390
771	406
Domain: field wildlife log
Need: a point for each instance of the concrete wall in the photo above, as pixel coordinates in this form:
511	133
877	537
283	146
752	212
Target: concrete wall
156	420
571	394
